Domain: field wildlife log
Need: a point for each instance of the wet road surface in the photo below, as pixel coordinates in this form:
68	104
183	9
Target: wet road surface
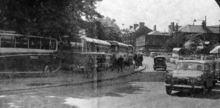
141	90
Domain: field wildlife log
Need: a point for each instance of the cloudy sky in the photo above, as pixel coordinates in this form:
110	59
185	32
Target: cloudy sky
160	12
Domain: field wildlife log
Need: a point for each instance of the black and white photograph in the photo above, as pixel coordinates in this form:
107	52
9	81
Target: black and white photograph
109	53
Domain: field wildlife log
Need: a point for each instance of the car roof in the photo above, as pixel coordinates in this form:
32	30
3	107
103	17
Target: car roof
196	61
160	56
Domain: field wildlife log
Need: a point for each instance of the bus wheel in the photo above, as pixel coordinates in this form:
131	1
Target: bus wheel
47	70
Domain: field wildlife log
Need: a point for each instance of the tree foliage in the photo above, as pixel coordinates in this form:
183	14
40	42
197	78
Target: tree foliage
104	29
190	43
47	17
177	40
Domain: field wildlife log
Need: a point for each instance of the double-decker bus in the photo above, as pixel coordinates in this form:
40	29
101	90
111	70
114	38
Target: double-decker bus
27	54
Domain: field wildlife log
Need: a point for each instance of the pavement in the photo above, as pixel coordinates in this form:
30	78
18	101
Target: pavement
62	79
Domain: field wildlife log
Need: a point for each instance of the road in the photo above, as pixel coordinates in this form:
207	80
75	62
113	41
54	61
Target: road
140	90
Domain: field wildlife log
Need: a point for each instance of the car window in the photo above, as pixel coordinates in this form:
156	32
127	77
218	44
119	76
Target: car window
190	66
207	67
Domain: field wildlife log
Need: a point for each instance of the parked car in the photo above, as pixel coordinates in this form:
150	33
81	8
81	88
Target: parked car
175	60
153	54
160	62
190	75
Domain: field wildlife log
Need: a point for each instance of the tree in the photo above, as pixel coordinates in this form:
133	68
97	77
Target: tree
47	17
177	40
104	29
112	30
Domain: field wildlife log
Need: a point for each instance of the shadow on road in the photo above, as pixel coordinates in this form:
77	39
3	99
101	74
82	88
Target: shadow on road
156	76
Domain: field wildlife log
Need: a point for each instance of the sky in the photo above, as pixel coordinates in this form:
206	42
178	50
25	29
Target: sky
160	12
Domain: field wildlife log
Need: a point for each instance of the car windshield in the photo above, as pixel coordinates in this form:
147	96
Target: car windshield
190	66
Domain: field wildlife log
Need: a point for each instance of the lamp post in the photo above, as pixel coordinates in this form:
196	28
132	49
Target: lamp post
219	34
203	26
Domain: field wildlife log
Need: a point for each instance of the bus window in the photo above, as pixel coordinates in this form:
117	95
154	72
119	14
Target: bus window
21	42
53	45
34	43
7	41
45	43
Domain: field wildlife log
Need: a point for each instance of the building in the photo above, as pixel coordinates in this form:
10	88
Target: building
128	35
140	37
206	33
155	42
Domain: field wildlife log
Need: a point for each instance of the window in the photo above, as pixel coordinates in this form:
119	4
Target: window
34	43
21	42
7	41
53	45
45	43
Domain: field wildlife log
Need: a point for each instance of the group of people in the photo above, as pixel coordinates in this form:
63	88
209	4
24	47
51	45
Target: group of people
120	63
138	59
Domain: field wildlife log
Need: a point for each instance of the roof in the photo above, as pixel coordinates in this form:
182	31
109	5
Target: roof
118	43
199	29
97	41
157	33
215	50
160	56
192	29
142	31
213	29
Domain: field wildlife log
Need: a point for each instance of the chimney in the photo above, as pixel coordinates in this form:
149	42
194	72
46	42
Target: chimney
130	27
141	24
203	24
135	26
155	28
172	27
177	27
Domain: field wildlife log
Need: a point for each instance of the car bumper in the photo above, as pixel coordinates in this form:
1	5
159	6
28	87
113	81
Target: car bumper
160	66
183	86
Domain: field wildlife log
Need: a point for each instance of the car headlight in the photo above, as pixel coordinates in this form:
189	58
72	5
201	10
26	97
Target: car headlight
198	78
192	80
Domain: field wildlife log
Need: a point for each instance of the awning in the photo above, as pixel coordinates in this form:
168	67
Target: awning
87	39
176	49
118	43
101	42
215	50
97	41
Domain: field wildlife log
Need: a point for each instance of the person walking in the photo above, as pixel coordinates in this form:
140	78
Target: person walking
120	62
141	59
135	59
113	62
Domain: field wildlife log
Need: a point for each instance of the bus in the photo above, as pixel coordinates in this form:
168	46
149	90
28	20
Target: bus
83	48
120	49
27	54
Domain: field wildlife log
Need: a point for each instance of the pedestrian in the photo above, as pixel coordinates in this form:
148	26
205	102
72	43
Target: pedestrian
113	62
135	59
120	62
141	59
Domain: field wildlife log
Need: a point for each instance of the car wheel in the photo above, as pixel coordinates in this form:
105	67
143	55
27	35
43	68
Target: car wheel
206	89
168	90
165	69
47	70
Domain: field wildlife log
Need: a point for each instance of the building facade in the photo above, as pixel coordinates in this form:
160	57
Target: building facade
155	42
140	37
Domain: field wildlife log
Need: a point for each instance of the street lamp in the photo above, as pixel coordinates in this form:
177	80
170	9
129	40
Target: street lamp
219	34
203	26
